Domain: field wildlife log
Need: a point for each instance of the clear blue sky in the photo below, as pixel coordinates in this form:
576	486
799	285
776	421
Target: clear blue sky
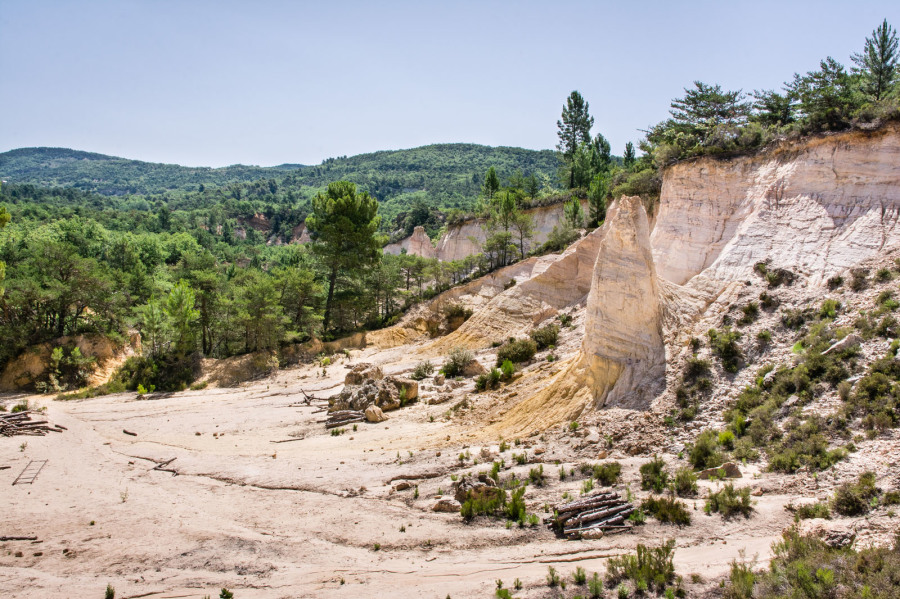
266	82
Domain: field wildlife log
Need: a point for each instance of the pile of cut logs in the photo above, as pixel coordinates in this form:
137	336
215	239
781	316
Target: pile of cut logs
20	423
591	516
342	417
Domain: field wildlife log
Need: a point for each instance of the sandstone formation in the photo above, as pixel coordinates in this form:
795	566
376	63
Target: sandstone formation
417	244
815	209
623	340
560	281
466	238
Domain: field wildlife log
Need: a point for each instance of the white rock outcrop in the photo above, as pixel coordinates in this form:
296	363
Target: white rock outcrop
623	343
815	208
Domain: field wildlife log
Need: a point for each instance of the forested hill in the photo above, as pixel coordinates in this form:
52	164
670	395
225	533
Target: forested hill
446	172
111	175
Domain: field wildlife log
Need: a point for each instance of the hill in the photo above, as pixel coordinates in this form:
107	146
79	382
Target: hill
444	172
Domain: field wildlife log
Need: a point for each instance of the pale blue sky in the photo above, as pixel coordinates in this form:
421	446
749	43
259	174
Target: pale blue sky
267	82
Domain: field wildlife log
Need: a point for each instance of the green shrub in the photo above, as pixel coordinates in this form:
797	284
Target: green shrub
483	504
794	319
667	510
764	337
685	482
767	301
516	350
110	592
607	473
456	311
695	368
704	453
579	576
883	275
515	508
726	439
806	567
749	314
859	279
545	336
488	381
457	361
740	581
647	567
595	587
835	282
552	577
422	370
724	345
654	476
730	501
812	510
854	499
536	476
829	309
507	369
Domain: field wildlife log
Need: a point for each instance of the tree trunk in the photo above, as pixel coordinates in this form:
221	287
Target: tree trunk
332	279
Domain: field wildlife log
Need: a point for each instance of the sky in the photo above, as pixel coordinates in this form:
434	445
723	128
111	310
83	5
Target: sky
266	82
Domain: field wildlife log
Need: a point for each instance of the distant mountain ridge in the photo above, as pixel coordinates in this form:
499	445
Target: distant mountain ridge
443	170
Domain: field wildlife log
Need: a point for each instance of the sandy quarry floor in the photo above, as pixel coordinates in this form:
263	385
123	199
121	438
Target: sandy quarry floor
301	518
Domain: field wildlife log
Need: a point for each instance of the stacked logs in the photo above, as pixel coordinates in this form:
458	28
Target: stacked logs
342	417
20	423
591	516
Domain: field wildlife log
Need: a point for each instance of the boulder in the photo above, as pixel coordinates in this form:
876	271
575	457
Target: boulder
402	485
730	469
363	372
482	487
439	379
374	414
446	504
405	385
845	343
473	368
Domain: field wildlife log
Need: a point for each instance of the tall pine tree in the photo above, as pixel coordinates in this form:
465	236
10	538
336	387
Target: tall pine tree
574	129
877	63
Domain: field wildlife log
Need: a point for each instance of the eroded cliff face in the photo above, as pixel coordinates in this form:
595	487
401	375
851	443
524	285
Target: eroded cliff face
466	239
815	208
417	244
623	334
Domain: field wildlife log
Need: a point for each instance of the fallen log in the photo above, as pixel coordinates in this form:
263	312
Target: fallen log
127	432
343	422
18	538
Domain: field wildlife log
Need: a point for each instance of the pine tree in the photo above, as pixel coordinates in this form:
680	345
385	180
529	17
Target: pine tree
877	63
491	183
574	129
628	156
343	225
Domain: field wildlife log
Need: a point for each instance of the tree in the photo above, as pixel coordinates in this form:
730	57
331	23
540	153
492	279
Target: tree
706	107
532	187
4	220
523	225
574	128
877	63
826	96
180	308
491	183
574	214
628	156
597	193
773	109
343	227
156	327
